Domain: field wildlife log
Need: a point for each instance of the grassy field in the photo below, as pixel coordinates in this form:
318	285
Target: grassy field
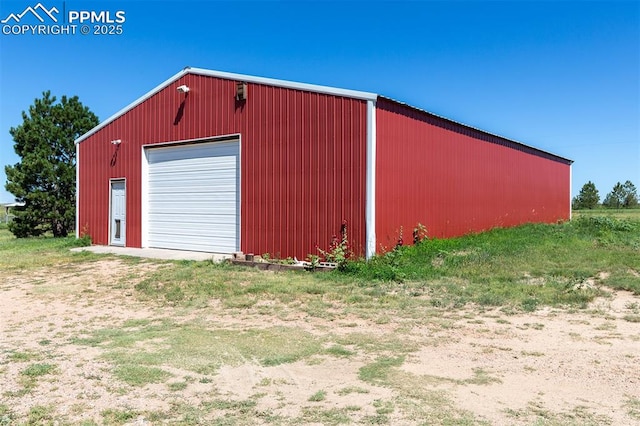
368	320
633	214
520	268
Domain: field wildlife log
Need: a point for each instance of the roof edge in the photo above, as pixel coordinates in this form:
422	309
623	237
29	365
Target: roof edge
133	104
483	132
286	84
356	94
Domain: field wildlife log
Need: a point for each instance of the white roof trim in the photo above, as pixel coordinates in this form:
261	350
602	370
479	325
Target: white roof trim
232	76
133	104
287	84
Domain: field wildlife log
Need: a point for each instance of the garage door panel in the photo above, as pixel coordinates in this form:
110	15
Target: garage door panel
178	215
198	218
194	197
189	199
195	234
200	237
191	172
193	245
186	186
194	151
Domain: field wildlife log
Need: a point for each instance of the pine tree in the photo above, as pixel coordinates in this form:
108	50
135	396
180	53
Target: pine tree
630	194
588	198
615	199
44	179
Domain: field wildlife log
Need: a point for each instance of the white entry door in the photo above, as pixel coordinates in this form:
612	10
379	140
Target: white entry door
118	213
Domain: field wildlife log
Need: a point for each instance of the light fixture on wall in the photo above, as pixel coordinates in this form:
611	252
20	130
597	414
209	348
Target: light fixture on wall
241	91
116	142
183	89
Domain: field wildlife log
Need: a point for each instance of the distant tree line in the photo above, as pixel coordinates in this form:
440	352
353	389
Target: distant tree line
622	196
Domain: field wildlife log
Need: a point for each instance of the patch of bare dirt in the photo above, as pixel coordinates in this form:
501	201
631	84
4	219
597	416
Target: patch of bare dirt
503	369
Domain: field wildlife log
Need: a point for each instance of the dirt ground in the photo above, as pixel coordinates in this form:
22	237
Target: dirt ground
551	366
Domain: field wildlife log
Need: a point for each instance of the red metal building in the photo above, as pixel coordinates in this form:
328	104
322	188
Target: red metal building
221	162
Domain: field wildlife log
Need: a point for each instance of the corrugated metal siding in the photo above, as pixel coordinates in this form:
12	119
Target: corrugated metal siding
456	181
302	161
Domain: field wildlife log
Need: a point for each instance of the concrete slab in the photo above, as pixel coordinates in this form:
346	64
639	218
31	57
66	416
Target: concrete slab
154	253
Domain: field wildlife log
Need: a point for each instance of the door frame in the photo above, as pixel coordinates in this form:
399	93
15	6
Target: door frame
124	228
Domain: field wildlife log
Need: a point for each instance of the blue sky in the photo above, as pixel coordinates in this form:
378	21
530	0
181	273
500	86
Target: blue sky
562	76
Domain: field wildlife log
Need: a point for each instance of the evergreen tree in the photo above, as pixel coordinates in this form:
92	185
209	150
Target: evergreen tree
44	179
588	198
630	194
615	199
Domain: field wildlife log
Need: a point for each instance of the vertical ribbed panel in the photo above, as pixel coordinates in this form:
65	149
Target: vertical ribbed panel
455	181
302	154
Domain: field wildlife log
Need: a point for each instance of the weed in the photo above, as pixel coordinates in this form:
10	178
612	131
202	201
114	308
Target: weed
339	251
177	386
138	375
37	370
631	318
242	407
340	351
333	416
351	389
377	372
113	416
532	353
21	356
40	415
633	307
6	416
481	377
318	396
633	407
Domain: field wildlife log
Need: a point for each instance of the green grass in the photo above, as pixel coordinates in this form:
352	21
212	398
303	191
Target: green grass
137	352
40	415
578	416
29	253
524	268
37	370
6	415
140	375
378	371
633	214
527	266
318	396
632	405
118	417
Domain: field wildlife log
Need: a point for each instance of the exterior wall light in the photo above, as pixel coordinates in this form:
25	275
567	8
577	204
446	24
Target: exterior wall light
183	89
241	91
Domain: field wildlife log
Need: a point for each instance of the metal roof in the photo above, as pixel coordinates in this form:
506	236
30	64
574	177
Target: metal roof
475	129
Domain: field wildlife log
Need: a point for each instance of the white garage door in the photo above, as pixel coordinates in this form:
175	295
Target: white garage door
194	199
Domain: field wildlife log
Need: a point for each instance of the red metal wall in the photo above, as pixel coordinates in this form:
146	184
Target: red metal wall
456	180
303	161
